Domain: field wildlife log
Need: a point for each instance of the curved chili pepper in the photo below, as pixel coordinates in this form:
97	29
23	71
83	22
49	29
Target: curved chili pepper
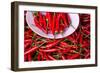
64	44
27	45
31	50
51	44
63	58
86	32
87	54
74	56
50	57
66	50
48	50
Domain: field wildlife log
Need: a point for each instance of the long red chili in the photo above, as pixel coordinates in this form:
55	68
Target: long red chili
53	23
74	56
31	50
61	29
48	50
38	25
49	21
57	24
50	57
52	44
64	20
42	21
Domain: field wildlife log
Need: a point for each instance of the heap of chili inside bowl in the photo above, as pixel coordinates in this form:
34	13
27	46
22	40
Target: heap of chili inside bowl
74	46
51	22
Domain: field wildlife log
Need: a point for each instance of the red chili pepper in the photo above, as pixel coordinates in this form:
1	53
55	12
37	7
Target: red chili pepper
87	27
49	20
42	56
39	57
61	23
61	29
38	42
50	57
51	44
86	32
87	55
29	57
66	50
57	24
25	58
62	57
81	39
63	49
86	20
48	50
68	18
53	23
27	41
78	36
42	21
38	25
45	55
45	24
64	19
29	31
27	45
74	56
85	44
63	44
34	48
28	37
72	39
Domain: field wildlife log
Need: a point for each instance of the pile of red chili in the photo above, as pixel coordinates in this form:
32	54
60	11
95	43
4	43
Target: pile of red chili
51	22
74	46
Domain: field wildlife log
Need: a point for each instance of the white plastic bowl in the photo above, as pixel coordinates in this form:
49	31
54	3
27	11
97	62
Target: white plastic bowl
68	31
